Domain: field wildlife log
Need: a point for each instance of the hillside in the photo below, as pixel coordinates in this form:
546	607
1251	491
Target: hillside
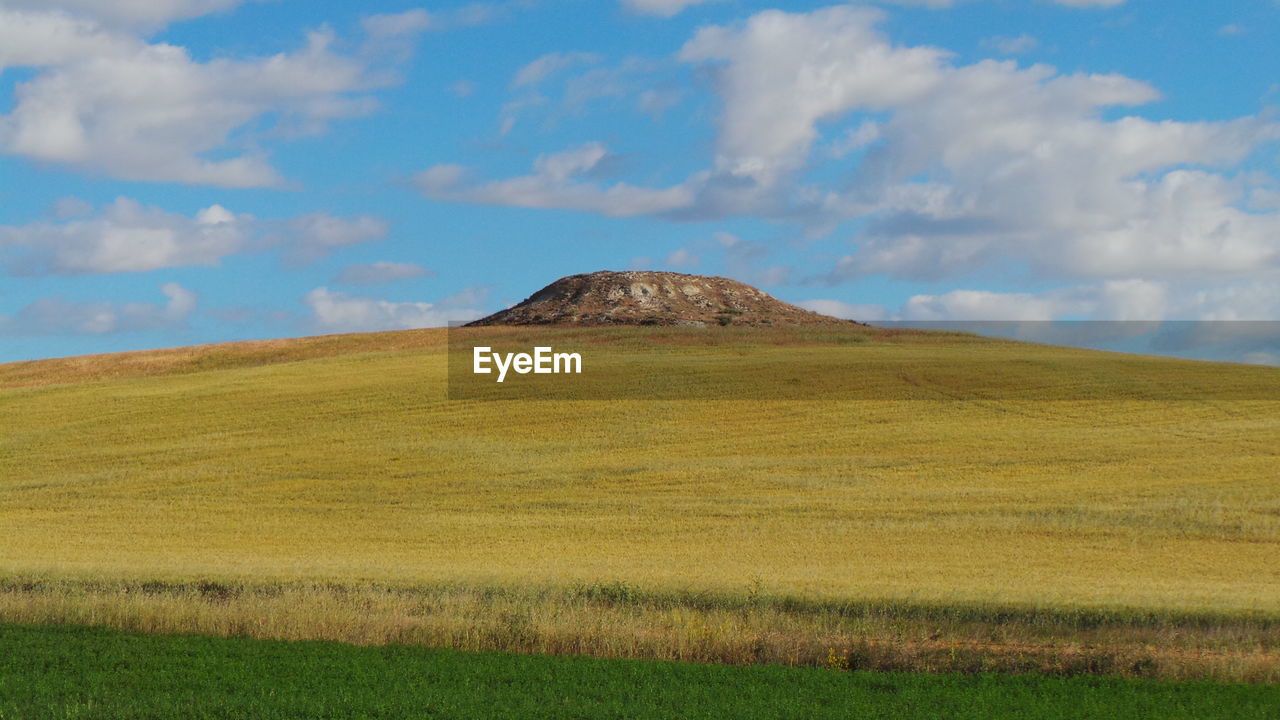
653	298
341	461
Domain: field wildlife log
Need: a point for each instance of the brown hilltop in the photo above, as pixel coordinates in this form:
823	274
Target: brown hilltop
653	298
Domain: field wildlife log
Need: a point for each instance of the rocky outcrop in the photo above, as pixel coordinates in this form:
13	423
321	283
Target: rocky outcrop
653	298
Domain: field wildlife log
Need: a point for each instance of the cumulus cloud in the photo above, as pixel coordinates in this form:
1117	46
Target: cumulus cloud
58	316
780	74
127	236
143	14
336	311
1132	300
965	152
948	168
104	100
380	273
41	39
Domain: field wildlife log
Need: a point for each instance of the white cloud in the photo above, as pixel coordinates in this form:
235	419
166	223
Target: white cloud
669	8
1016	162
980	305
126	237
563	165
781	74
1130	300
68	208
549	64
856	138
129	237
380	273
950	167
103	100
554	184
478	13
313	236
846	311
1261	358
389	25
57	316
512	111
1239	300
41	39
775	91
661	8
1090	3
143	14
1012	45
681	258
335	311
743	260
1133	301
655	102
943	4
393	36
1263	200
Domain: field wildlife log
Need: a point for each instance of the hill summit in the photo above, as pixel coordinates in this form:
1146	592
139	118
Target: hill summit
645	297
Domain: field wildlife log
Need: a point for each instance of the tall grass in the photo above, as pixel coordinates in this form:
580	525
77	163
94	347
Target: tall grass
617	620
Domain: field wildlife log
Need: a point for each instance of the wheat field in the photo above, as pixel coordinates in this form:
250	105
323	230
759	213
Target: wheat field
340	461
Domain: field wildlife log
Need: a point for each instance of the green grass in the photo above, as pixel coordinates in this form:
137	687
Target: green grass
91	673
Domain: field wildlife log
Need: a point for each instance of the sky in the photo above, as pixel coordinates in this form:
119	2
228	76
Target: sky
177	172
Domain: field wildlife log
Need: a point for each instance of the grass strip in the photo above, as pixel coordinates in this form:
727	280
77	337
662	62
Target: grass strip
619	620
74	672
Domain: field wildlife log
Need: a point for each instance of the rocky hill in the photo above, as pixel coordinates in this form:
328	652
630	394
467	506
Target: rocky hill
653	298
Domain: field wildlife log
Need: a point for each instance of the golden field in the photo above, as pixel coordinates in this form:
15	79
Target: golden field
1082	482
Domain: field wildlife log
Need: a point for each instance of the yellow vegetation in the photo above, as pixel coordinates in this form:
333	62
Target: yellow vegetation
341	460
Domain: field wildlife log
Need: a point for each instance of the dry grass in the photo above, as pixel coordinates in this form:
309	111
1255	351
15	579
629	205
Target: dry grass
197	358
339	460
618	620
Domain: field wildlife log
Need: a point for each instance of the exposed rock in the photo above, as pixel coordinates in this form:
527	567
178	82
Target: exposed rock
644	297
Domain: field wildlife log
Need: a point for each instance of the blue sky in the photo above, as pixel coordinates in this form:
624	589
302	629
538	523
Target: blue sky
176	172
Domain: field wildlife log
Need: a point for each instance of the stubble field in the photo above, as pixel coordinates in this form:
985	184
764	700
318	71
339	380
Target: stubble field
969	505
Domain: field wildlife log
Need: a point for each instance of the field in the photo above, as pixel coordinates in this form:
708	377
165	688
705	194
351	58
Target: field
60	673
969	505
